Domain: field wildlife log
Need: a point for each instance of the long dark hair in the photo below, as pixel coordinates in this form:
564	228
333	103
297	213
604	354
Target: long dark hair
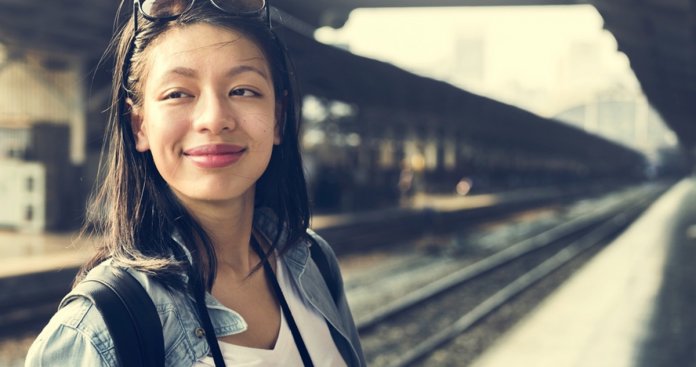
133	211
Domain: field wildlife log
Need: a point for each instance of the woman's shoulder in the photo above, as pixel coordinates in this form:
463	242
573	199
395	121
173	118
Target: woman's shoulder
319	240
320	248
77	334
159	294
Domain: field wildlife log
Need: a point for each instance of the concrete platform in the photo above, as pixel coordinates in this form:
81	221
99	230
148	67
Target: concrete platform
632	305
27	253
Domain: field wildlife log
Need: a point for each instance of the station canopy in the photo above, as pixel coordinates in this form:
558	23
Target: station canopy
82	28
658	36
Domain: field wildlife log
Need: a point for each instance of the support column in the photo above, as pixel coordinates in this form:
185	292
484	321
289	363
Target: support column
78	118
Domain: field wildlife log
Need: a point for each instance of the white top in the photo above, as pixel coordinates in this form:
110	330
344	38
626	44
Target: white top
313	328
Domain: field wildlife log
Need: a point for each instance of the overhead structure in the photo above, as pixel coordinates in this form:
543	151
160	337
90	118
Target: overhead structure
76	28
657	35
336	74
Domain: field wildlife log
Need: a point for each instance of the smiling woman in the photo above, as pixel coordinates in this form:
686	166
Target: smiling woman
204	203
210	129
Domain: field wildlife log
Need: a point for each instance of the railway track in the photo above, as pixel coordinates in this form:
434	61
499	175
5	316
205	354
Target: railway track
28	300
409	328
24	308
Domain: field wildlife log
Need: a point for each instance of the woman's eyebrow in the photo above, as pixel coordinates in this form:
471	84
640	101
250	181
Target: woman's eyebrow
245	68
234	71
183	71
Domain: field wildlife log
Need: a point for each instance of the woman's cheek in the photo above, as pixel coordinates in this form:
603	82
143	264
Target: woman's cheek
172	129
166	136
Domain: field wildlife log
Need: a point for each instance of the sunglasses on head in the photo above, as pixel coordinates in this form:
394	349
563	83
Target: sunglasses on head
171	9
167	10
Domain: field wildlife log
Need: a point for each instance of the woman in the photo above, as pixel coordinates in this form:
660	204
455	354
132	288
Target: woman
203	199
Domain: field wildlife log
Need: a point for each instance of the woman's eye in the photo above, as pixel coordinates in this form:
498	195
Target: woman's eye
243	92
175	95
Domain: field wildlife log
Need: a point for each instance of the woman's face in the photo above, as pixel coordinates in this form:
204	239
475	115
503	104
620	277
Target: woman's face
208	113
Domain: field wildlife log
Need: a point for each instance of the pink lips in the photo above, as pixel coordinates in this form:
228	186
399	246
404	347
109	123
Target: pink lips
214	155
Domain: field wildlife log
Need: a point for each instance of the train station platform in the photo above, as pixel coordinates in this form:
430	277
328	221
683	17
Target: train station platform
631	305
28	253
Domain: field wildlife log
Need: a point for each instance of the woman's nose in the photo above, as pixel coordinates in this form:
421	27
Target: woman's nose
214	114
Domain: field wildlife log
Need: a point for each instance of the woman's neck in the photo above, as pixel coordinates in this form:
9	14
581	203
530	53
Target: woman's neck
229	227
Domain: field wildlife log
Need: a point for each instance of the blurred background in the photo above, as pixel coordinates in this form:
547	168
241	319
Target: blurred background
436	134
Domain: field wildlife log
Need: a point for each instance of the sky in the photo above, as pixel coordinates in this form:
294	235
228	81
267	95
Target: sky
525	47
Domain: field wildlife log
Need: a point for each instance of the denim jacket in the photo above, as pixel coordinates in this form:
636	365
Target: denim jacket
77	334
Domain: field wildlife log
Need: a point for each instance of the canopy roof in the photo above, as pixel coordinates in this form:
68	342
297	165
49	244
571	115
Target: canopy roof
81	28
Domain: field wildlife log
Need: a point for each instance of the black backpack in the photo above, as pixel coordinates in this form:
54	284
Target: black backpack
131	316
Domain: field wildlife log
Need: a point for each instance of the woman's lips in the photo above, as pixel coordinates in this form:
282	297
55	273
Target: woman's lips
215	155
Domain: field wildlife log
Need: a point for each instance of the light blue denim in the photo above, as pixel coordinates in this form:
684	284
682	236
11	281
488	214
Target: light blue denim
77	334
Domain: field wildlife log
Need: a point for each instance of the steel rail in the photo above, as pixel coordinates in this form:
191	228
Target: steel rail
506	294
480	268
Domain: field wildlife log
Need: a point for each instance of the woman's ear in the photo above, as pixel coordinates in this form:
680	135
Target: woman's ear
142	144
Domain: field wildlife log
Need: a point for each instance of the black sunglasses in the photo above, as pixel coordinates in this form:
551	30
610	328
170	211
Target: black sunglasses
171	9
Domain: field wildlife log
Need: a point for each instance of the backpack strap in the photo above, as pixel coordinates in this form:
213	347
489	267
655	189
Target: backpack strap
318	255
129	314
